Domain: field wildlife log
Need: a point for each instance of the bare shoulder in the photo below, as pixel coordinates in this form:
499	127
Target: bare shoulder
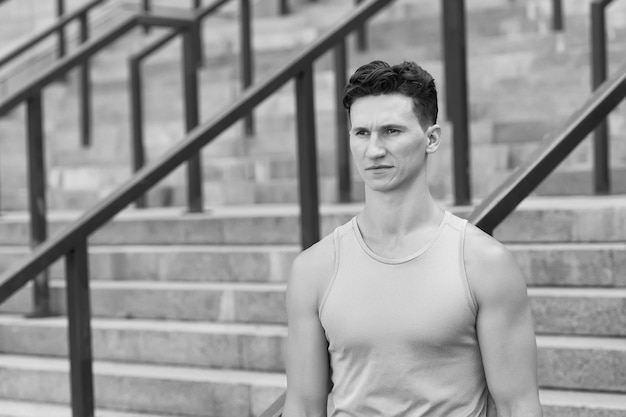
311	272
491	268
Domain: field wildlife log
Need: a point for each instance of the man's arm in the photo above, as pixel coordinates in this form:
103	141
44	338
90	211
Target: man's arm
504	326
307	350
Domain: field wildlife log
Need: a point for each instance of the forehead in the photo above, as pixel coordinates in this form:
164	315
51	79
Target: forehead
382	109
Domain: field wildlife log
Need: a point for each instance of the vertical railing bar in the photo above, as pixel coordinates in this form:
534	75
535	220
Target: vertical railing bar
85	87
341	121
136	121
453	13
601	172
79	330
199	42
37	197
307	158
61	30
197	4
557	16
146	7
448	59
246	59
190	92
361	34
283	7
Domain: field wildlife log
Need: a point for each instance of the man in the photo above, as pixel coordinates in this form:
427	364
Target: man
406	310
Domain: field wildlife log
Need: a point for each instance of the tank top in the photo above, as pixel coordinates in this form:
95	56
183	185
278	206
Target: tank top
402	332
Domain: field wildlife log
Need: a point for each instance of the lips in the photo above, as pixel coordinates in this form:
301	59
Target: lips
378	167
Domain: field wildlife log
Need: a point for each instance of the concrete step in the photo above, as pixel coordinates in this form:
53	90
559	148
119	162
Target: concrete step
564	362
571	403
574	311
11	408
214	345
556	403
214	263
536	219
585	363
579	311
544	264
216	302
188	391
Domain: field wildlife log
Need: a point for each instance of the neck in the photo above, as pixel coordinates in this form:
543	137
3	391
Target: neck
399	212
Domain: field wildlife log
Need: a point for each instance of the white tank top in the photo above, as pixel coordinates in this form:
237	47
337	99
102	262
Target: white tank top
402	332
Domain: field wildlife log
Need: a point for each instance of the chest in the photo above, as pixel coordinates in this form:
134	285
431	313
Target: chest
417	305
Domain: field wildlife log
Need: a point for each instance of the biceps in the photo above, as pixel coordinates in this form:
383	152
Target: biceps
307	368
508	348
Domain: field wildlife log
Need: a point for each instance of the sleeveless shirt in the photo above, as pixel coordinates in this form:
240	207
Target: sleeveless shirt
402	332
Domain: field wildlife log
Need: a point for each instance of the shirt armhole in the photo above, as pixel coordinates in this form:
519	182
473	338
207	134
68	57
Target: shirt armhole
335	269
469	294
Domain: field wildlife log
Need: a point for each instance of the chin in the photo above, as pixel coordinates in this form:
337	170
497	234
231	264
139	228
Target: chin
380	187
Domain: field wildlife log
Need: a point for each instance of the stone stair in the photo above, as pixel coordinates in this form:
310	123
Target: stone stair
524	82
189	317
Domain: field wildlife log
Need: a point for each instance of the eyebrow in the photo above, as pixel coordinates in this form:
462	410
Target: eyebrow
383	127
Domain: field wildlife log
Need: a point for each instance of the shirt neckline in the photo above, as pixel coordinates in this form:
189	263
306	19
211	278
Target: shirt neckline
393	261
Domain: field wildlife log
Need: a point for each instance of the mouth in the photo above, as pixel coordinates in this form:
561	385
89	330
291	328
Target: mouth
378	167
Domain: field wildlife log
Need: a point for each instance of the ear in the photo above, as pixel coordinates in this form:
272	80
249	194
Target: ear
433	135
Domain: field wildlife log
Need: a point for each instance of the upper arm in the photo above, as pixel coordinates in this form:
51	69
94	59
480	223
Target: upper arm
307	349
504	325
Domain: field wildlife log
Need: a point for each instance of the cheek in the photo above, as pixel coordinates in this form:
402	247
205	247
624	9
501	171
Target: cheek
354	149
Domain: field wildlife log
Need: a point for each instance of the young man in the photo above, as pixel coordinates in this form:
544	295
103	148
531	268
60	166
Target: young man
406	310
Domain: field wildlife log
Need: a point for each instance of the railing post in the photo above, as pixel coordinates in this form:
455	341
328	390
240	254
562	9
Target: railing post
199	40
557	16
85	87
61	32
37	197
361	35
283	6
246	59
146	7
136	121
190	82
341	121
453	15
79	331
307	158
601	173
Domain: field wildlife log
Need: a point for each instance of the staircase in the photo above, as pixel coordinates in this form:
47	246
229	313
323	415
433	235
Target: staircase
545	76
189	316
188	308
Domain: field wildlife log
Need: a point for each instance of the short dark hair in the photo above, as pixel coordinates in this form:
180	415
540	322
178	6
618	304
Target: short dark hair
408	78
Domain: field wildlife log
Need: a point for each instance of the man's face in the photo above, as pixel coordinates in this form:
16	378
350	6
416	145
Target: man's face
387	141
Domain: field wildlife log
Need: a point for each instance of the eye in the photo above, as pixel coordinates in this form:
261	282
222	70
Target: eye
360	133
391	131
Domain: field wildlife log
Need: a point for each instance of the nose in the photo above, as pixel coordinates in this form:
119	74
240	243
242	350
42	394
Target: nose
375	149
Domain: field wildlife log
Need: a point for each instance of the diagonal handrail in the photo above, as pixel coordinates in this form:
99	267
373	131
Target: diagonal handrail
77	271
86	51
501	202
82	54
54	28
51	250
72	241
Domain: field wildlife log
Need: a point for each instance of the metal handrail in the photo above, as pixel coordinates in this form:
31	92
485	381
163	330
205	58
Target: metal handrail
77	273
191	102
72	241
86	51
54	28
16	277
601	173
499	204
84	74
